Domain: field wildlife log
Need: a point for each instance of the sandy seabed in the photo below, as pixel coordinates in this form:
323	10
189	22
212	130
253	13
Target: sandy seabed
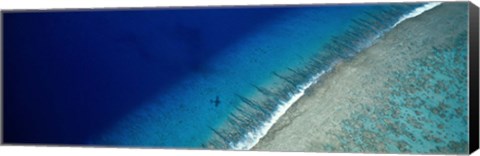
352	110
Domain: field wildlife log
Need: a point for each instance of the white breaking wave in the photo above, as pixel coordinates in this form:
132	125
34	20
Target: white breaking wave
412	14
252	138
417	12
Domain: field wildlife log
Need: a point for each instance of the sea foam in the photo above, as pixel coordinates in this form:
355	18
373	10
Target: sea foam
252	138
417	12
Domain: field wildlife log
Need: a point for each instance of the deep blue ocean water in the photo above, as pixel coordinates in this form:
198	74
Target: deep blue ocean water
154	77
69	75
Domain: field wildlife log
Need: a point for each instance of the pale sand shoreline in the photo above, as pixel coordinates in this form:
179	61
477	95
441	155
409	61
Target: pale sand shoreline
308	124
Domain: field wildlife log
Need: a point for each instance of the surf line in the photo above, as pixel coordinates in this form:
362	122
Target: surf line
417	12
414	13
253	137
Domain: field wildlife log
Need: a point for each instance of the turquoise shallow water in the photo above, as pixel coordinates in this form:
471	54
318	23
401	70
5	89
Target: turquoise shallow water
425	112
424	109
230	102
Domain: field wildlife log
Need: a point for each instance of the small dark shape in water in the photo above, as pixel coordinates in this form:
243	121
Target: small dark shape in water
216	101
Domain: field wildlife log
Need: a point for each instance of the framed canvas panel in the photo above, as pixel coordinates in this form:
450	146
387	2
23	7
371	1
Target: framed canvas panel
341	78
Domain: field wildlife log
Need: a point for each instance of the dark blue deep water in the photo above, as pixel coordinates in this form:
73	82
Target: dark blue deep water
69	75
